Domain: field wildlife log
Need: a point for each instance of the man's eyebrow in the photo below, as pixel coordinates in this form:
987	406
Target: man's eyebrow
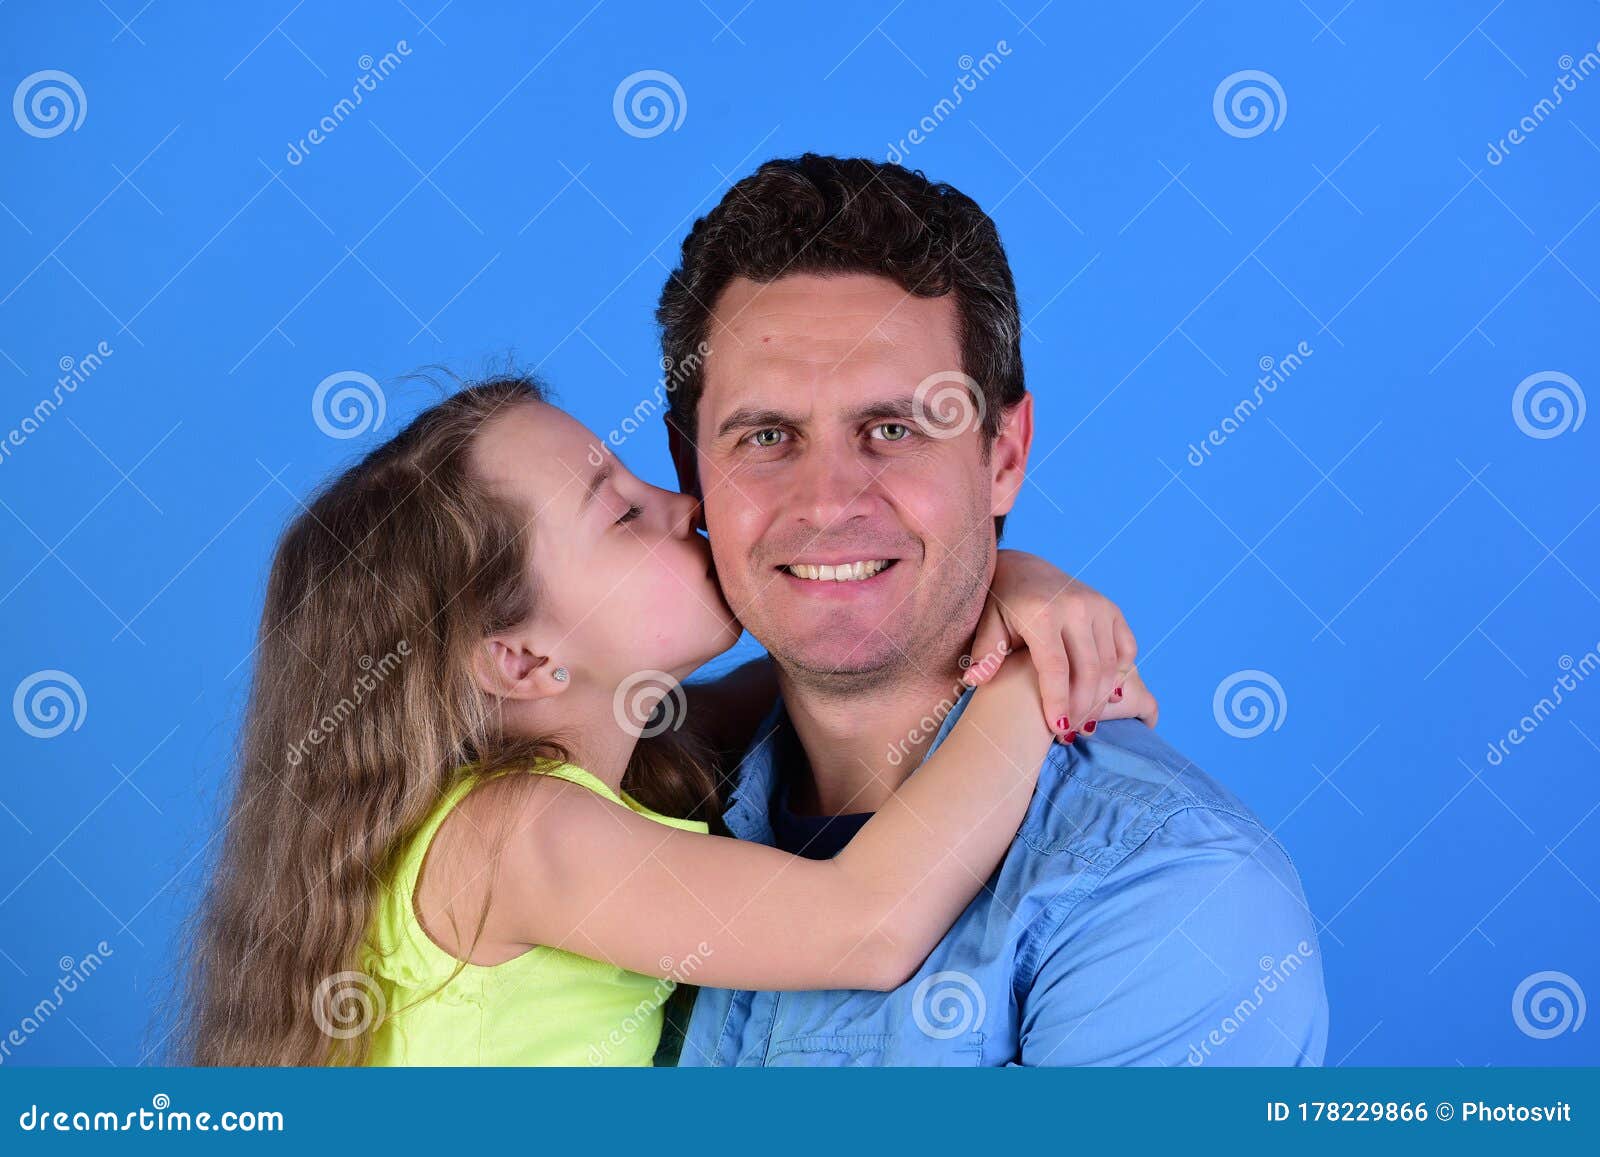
902	409
595	483
755	417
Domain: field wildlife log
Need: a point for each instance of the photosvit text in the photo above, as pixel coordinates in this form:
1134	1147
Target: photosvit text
1357	1112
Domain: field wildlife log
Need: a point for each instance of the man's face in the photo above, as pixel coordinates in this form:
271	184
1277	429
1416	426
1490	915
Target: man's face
855	541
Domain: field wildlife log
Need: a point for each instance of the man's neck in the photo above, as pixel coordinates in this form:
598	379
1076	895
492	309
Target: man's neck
862	745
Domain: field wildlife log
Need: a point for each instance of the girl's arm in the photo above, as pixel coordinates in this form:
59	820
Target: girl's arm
581	874
1079	641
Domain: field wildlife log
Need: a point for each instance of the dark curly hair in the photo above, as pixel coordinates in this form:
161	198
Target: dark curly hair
820	214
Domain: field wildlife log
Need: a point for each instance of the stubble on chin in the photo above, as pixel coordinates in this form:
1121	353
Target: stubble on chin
852	676
927	650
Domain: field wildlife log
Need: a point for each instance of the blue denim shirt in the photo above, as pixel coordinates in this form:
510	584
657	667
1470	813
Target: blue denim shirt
1143	916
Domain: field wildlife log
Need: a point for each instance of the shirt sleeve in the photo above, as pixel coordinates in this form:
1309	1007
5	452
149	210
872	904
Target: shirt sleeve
1197	949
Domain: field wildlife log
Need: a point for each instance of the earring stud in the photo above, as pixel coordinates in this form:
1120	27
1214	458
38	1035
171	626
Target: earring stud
560	675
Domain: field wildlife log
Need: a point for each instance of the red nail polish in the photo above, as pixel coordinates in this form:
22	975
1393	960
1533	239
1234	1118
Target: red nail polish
1088	728
1117	693
1071	737
1063	723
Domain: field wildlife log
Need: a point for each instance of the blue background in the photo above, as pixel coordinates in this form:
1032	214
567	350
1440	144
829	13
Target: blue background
1380	536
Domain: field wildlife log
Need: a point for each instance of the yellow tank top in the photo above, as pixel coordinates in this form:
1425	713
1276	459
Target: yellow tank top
545	1007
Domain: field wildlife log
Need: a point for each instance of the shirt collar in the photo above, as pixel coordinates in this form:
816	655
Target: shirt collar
747	814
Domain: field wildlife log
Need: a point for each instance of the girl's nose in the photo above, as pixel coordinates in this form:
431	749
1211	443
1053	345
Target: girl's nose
688	515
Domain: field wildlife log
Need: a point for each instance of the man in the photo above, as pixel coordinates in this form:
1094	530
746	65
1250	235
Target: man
1142	916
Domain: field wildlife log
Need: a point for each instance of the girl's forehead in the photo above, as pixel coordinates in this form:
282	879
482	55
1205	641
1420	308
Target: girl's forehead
543	456
521	439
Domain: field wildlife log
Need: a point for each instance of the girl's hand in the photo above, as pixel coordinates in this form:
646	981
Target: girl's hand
1078	640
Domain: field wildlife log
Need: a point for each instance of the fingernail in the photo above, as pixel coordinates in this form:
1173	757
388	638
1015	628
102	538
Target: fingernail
1063	724
1071	736
1088	728
1117	693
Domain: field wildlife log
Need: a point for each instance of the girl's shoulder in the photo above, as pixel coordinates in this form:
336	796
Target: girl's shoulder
517	824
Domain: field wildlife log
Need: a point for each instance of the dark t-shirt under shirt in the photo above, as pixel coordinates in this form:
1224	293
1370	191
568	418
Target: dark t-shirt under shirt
814	837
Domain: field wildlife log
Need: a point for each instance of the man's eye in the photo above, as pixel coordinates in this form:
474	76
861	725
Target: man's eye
634	511
767	439
891	431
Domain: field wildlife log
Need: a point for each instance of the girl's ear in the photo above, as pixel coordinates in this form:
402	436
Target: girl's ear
507	668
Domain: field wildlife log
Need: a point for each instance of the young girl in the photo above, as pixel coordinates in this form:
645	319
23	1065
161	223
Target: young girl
456	837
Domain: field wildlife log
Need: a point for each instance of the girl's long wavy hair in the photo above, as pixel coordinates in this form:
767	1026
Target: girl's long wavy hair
363	713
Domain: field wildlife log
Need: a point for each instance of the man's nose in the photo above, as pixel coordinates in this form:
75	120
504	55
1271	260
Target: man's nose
835	485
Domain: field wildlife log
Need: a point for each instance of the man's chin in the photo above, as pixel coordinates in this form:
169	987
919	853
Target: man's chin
843	664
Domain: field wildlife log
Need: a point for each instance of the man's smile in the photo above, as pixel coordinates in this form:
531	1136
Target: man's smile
843	572
843	578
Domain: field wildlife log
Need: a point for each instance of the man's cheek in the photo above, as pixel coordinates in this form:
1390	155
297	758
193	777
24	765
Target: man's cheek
729	555
730	523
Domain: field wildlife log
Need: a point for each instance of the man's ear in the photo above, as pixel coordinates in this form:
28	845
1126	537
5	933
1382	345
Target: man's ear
1008	455
684	458
506	667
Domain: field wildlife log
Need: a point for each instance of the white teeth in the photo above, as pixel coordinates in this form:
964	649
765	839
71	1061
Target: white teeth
842	573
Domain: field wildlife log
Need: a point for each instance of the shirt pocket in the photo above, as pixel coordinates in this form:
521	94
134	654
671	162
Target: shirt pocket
877	1050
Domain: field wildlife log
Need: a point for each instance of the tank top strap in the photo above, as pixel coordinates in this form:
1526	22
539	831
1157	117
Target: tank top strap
576	775
581	778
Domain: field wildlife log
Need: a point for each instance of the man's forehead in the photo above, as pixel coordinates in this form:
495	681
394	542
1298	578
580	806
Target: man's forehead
810	333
